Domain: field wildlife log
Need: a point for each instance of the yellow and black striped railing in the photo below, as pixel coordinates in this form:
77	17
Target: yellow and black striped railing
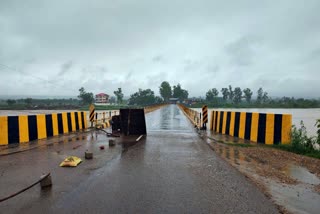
25	128
264	128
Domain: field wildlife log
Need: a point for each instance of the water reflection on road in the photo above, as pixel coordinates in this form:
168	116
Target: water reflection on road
168	118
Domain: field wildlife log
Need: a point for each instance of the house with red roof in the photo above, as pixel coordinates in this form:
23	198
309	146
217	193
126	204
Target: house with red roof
102	98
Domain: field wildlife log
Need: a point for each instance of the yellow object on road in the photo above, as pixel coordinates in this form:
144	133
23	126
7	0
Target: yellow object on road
71	161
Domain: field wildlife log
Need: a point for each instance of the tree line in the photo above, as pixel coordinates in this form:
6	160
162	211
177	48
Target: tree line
225	97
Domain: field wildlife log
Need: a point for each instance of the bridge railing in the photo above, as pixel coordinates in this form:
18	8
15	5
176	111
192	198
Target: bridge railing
151	108
193	115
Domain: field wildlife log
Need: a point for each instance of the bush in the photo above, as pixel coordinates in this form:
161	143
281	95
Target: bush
301	143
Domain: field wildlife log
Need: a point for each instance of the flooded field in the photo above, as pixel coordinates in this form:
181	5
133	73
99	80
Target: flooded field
308	116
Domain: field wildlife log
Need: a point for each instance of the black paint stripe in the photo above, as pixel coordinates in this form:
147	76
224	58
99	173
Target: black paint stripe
228	123
60	123
13	129
33	128
247	132
49	125
77	120
236	124
277	129
221	121
69	122
82	120
262	128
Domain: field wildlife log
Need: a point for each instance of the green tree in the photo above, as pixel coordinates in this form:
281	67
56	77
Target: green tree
85	97
142	97
180	93
259	96
265	97
119	95
237	95
248	94
231	93
11	102
225	93
212	94
165	91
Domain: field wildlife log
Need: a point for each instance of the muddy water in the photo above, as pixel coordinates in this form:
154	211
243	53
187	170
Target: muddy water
308	116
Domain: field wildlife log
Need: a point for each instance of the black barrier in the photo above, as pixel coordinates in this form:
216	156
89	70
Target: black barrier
133	122
116	123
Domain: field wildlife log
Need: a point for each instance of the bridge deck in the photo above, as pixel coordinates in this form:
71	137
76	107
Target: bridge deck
170	171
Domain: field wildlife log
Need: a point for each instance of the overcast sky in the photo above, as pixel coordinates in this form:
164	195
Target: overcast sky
55	47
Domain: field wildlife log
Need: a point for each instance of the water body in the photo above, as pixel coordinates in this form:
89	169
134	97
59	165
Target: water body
308	116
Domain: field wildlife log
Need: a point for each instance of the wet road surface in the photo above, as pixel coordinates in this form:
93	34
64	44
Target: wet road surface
170	171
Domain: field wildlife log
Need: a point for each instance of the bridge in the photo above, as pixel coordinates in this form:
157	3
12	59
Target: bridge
170	170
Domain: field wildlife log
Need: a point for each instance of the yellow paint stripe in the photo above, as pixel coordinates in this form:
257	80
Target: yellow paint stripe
4	130
270	129
232	120
41	126
242	125
254	127
65	122
73	121
85	120
211	120
79	120
55	124
218	122
224	123
286	128
215	118
23	129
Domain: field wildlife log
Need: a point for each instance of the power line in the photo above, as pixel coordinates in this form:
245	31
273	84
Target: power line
35	77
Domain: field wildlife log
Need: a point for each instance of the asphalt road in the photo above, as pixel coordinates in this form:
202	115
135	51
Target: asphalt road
170	171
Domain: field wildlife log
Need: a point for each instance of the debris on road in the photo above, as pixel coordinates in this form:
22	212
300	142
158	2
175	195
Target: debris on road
45	181
139	138
101	147
71	161
88	155
112	143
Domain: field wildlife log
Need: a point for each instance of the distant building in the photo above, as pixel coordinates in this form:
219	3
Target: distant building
102	98
174	100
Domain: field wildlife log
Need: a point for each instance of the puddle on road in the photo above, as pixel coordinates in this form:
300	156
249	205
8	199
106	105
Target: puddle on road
303	175
296	198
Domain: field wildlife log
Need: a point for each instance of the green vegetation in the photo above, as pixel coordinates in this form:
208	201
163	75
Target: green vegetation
237	98
119	96
29	103
165	91
144	98
177	91
301	143
85	97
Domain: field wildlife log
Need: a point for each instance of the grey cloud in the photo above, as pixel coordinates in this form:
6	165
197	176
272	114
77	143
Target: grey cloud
140	44
65	67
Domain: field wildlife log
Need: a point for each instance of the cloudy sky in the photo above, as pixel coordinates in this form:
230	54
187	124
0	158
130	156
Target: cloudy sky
55	47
